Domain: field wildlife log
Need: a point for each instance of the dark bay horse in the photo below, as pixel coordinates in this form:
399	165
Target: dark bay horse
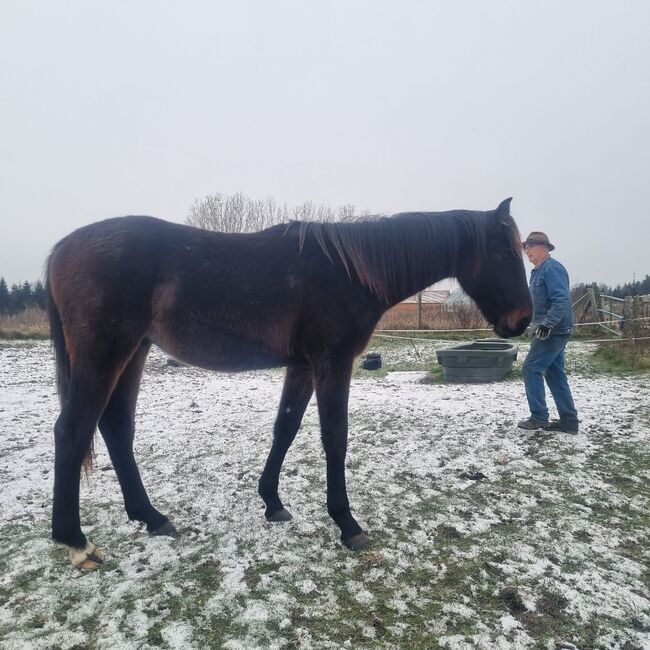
302	295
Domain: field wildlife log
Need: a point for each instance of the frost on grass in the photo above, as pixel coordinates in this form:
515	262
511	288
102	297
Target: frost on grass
485	536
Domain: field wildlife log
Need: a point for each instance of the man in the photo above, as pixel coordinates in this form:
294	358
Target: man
551	328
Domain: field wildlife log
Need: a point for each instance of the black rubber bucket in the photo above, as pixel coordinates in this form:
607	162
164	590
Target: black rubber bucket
372	361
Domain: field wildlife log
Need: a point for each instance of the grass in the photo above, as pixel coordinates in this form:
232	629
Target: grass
417	353
630	357
567	519
28	324
477	568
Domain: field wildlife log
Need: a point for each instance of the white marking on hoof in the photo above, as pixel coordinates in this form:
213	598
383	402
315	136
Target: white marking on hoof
87	558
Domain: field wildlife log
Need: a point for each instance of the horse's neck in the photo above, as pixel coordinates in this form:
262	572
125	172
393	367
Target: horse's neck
397	257
399	294
434	253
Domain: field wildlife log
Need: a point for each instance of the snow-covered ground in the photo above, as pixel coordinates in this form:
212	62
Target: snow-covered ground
550	546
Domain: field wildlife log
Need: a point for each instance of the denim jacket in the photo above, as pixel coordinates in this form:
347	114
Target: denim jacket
549	289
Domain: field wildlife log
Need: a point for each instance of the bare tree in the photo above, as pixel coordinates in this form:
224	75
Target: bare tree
208	213
346	212
238	213
304	211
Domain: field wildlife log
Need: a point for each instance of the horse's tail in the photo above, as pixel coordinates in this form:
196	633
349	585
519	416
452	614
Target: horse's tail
61	356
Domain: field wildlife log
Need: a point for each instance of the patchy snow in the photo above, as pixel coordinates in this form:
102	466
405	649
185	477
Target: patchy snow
562	518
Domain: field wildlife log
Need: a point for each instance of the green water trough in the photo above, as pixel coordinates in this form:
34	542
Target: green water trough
482	360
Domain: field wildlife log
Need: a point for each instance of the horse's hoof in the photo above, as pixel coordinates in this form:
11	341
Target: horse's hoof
358	542
88	558
167	529
280	515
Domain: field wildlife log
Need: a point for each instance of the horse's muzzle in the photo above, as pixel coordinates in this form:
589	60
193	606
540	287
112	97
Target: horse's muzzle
514	323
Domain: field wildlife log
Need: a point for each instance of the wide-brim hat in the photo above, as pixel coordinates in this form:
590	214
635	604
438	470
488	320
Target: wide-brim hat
537	237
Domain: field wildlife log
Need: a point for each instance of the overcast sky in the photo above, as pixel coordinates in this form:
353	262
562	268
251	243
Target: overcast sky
113	108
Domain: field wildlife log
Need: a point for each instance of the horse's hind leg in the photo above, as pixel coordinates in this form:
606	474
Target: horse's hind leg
297	391
117	426
91	382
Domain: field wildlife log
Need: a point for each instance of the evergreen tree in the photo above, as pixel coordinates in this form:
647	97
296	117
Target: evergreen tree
645	285
20	297
15	299
5	299
38	295
28	296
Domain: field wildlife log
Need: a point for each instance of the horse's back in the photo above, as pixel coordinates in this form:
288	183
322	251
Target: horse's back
117	260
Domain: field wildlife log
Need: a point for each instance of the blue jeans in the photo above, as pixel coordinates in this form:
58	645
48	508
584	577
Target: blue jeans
545	360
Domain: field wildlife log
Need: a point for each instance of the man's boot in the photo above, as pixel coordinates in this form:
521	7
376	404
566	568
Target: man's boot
531	424
563	425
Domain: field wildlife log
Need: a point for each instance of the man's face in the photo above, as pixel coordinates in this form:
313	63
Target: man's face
535	253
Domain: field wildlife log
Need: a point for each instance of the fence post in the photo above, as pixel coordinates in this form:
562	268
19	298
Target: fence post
597	303
627	317
594	303
637	308
419	310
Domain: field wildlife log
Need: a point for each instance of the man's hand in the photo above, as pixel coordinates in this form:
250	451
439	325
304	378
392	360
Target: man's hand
542	332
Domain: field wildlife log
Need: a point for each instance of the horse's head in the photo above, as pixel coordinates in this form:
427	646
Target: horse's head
497	283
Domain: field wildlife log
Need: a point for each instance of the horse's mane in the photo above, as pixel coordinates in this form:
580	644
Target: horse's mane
396	256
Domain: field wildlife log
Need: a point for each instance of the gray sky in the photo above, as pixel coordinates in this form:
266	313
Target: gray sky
112	108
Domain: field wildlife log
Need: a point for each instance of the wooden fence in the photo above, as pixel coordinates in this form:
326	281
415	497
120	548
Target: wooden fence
624	317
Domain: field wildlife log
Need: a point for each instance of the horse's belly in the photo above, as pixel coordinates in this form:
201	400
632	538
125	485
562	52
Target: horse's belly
223	353
236	357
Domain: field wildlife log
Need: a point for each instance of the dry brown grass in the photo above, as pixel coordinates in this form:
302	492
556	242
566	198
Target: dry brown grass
28	324
33	323
463	317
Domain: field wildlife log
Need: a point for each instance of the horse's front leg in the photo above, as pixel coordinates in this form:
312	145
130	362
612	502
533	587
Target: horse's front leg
332	392
297	391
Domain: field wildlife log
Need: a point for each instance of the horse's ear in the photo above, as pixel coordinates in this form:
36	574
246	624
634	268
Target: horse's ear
502	213
504	208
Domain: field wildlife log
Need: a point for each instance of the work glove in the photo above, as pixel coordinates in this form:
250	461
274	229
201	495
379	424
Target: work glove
542	332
